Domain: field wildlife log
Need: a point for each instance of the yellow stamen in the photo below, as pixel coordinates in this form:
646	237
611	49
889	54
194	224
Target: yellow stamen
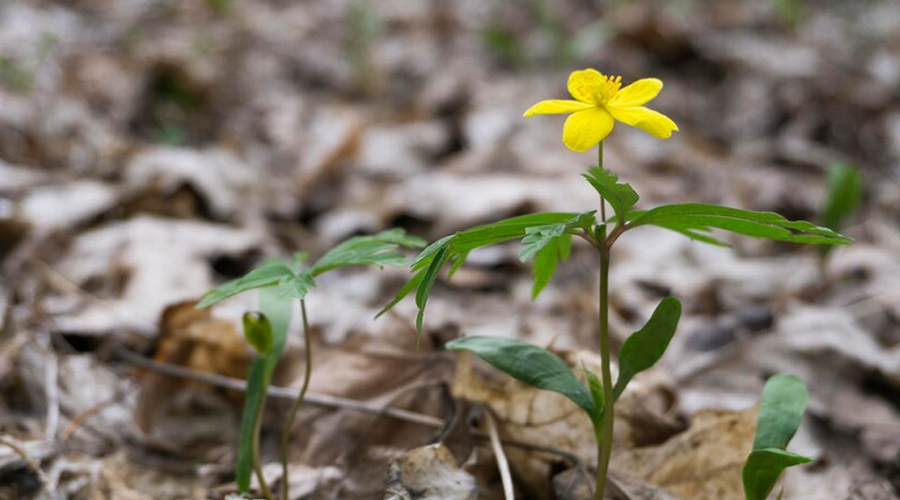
607	88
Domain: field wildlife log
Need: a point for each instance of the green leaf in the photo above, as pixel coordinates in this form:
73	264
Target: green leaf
764	467
456	247
546	261
378	250
297	286
781	409
252	402
530	364
258	332
620	196
427	282
276	308
270	273
697	219
783	401
844	192
646	346
596	388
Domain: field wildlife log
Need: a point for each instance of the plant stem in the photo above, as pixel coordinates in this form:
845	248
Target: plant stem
286	433
257	466
604	445
600	165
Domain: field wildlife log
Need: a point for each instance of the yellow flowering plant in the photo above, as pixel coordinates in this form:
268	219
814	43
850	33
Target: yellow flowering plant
600	101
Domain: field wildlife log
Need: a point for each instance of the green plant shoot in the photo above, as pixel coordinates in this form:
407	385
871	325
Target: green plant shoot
780	412
599	102
280	284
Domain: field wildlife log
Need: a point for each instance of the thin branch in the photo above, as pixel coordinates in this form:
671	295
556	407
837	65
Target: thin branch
23	454
502	462
277	392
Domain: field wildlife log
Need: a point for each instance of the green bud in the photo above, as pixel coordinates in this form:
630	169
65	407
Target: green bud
258	332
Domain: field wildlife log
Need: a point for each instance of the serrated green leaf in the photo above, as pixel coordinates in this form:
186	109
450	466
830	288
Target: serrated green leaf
537	238
378	250
782	404
529	364
456	247
646	346
546	261
428	279
697	219
297	286
844	192
270	273
621	196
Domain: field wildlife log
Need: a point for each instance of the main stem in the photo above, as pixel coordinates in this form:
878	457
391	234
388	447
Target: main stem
604	446
286	433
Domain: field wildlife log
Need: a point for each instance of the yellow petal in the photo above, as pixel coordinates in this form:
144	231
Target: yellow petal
556	106
652	122
583	84
638	93
585	129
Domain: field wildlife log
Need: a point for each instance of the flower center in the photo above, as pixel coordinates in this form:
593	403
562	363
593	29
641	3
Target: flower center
606	88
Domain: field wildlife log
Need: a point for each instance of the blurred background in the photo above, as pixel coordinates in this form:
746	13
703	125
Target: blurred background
151	149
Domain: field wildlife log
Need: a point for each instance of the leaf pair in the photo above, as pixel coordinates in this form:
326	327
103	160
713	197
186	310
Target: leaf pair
781	409
543	369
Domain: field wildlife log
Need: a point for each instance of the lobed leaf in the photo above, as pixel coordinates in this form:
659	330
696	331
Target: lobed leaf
378	250
782	404
621	196
696	220
646	346
455	248
269	273
529	364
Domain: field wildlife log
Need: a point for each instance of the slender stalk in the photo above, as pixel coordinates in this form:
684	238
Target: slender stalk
286	433
604	445
257	466
600	165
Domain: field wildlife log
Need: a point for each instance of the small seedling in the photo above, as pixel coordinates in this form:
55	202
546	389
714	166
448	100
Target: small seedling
279	284
600	101
780	412
844	194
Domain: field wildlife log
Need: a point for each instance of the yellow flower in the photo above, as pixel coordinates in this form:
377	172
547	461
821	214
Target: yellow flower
599	102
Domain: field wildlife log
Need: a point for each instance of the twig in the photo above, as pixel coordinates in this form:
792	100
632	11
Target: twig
277	392
502	462
51	389
79	419
23	454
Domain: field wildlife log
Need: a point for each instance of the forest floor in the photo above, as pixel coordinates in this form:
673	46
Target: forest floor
150	150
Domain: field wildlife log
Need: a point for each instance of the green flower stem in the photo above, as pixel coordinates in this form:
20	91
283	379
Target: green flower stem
600	165
604	446
286	433
257	466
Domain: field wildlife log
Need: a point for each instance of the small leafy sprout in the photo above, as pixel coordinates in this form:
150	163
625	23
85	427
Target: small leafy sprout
546	239
781	410
279	284
844	194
